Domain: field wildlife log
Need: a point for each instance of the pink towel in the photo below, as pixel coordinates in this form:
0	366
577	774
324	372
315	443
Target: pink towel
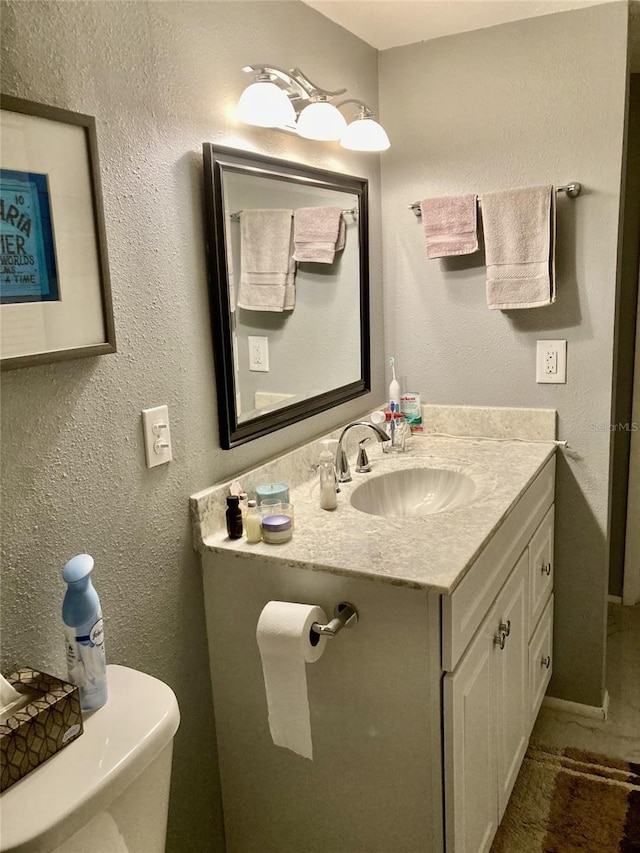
317	234
450	225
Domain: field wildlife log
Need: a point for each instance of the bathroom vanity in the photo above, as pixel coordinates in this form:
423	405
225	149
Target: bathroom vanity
420	715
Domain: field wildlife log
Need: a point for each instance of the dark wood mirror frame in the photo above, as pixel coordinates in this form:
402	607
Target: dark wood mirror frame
216	160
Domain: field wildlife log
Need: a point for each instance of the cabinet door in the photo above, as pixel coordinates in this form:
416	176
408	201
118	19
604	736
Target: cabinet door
469	730
510	679
541	567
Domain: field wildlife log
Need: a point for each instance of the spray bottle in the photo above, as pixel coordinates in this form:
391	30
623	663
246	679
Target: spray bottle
84	633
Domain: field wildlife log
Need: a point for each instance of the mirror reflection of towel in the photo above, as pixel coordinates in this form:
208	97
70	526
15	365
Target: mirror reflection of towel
318	232
267	268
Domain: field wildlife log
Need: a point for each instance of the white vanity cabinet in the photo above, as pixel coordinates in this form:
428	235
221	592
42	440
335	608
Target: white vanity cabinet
420	715
495	686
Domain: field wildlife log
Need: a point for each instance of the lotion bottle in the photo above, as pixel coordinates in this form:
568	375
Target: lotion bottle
84	633
327	472
253	523
234	517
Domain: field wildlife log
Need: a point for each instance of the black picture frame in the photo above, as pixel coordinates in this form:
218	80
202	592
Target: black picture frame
216	159
76	308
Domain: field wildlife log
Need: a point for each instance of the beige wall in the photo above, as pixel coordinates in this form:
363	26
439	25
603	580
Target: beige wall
160	78
532	102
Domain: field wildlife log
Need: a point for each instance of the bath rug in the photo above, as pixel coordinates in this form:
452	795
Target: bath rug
572	801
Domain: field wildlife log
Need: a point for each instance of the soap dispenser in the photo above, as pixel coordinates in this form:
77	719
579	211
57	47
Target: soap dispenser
327	472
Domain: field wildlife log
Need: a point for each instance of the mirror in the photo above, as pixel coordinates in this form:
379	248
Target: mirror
289	299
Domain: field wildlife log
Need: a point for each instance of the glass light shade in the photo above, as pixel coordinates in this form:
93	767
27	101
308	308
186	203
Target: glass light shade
266	105
321	120
365	134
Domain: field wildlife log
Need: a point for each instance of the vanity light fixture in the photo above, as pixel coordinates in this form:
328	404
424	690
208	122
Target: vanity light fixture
289	100
363	133
321	120
265	104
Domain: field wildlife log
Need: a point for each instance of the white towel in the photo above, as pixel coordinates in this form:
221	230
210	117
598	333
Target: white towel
450	225
267	269
318	232
519	228
228	241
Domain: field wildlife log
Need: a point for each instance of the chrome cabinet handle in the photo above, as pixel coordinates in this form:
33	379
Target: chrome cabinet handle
505	627
546	569
500	640
546	662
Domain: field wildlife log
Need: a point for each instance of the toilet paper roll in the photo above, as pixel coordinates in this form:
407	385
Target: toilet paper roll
286	647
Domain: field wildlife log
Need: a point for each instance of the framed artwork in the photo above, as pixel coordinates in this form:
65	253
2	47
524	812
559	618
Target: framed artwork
55	295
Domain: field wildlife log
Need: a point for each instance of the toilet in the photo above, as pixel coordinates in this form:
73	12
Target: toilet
108	791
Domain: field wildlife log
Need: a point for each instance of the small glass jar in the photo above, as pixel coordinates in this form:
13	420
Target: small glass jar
270	507
277	529
287	509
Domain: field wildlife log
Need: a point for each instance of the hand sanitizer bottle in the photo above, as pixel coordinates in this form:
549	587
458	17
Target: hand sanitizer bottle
84	633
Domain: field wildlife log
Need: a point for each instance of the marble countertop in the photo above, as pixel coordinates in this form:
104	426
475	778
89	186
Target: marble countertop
431	552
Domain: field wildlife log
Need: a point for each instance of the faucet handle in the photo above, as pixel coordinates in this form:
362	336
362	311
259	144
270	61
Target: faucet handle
363	466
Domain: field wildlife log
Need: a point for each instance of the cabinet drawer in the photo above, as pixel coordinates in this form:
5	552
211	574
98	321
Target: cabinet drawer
540	661
541	567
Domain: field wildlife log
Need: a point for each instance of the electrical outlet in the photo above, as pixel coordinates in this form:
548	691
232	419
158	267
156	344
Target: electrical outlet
258	353
551	362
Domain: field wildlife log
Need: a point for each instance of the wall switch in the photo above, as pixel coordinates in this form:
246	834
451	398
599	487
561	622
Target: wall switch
551	362
157	436
258	353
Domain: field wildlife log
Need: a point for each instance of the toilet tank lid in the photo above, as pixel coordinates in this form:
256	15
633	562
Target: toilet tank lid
120	740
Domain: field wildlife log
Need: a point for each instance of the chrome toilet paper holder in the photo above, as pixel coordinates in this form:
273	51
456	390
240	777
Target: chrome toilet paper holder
345	616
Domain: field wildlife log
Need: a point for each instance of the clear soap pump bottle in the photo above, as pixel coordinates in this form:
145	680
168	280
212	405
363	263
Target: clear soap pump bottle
327	472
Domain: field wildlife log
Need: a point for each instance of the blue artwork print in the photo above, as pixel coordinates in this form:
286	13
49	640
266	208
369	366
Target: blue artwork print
28	271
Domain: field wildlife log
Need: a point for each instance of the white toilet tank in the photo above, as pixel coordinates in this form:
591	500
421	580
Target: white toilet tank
108	791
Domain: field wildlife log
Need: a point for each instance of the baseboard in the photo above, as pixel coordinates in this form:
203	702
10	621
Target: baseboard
614	599
577	708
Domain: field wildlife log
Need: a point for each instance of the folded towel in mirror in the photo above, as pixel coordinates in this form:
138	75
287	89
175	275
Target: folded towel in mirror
266	267
318	233
519	230
450	225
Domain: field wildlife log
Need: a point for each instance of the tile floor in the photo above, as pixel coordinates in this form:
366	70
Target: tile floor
619	735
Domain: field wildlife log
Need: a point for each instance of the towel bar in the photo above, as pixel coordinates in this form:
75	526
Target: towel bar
573	190
346	616
352	210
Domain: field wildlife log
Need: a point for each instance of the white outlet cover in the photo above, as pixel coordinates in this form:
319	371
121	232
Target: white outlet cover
543	349
258	353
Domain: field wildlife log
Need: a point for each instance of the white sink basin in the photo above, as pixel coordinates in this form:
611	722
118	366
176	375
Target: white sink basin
413	492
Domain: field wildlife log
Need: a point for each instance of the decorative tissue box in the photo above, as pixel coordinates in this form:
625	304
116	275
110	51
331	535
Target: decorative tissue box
49	719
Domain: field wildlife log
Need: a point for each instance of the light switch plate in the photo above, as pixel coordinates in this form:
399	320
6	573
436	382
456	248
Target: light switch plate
551	362
157	436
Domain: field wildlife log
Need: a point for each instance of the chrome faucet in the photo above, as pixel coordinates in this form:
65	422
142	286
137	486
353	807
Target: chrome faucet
342	463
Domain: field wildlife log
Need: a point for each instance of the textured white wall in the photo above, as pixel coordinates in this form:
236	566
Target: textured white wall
160	78
533	102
